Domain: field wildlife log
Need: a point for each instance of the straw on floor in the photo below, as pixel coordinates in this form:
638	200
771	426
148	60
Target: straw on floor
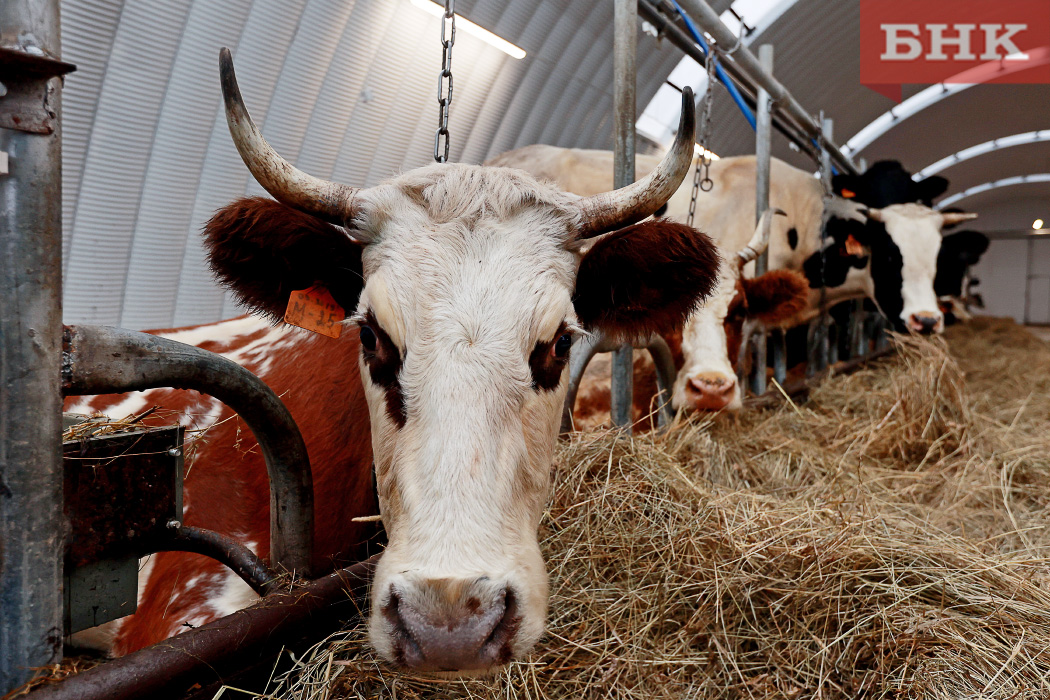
887	539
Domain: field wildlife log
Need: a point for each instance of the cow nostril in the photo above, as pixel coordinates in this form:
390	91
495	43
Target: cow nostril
923	324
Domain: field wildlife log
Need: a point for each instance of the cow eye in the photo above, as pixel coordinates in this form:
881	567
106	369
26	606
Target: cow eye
561	347
368	338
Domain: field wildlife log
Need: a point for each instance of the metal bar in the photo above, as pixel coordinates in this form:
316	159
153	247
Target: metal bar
819	348
709	21
684	42
625	48
801	387
583	351
763	160
663	362
214	651
858	344
778	340
31	524
103	360
241	560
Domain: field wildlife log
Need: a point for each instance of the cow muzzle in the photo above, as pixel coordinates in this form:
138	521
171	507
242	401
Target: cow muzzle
710	391
451	625
926	323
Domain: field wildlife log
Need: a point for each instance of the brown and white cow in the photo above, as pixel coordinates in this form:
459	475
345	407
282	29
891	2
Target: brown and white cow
465	285
883	241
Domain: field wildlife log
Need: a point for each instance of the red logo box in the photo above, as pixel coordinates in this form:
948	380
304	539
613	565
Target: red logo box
953	41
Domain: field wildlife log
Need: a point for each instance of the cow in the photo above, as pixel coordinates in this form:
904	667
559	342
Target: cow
882	240
464	287
960	251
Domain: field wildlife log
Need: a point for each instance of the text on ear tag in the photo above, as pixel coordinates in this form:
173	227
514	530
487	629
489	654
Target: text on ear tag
853	246
315	310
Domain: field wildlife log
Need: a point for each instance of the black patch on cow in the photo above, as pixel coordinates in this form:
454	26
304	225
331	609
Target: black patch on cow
384	367
958	252
793	237
887	273
887	182
546	367
837	261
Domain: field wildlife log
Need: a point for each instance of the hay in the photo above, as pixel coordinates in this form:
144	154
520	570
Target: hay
887	539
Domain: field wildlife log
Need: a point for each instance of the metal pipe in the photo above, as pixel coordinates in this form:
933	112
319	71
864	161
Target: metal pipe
583	351
214	651
31	523
104	360
663	362
241	560
858	345
763	161
779	342
710	22
625	48
684	43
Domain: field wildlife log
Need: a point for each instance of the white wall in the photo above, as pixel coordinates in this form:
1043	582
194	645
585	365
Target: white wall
1015	279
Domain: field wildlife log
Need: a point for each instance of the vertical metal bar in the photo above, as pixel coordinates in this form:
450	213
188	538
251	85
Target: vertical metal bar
819	349
857	342
763	158
625	47
778	340
31	523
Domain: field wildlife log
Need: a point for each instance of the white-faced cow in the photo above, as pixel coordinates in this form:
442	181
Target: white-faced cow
465	285
882	243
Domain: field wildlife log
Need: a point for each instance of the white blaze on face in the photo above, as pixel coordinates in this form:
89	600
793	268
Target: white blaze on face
463	480
707	380
916	230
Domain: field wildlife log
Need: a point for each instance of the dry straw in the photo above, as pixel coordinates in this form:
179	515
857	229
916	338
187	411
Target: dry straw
887	539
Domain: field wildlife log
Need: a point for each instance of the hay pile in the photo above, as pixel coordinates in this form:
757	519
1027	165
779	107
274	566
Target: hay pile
888	539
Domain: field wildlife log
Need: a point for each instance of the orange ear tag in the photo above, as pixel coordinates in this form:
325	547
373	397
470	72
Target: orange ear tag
848	194
315	310
853	246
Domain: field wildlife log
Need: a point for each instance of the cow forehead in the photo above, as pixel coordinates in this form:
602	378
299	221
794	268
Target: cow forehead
914	226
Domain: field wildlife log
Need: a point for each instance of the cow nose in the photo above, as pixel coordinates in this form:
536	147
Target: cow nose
433	632
924	323
710	391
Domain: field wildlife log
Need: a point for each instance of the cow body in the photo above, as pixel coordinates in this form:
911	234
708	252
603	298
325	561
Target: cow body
226	487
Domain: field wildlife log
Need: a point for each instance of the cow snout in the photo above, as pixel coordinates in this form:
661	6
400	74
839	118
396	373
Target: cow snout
710	391
452	626
925	323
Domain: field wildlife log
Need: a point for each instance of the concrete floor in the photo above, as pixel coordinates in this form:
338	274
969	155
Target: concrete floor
1041	332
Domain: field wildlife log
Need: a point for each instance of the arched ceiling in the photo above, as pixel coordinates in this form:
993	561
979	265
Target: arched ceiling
817	57
346	89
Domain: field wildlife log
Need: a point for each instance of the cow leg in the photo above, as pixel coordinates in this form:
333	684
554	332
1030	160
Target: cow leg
665	376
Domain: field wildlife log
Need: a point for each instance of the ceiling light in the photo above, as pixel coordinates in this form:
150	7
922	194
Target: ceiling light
1037	224
470	28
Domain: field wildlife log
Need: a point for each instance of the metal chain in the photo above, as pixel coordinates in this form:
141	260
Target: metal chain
448	28
702	175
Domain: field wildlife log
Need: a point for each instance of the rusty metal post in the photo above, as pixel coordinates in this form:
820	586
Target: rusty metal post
625	48
103	360
763	164
31	524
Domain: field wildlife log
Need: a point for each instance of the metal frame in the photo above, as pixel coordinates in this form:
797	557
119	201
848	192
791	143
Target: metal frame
103	360
31	523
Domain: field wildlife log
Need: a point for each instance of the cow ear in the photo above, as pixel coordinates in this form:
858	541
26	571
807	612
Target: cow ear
645	279
845	185
930	189
965	246
777	296
263	250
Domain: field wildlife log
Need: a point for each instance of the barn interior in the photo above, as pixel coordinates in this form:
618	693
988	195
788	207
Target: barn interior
872	524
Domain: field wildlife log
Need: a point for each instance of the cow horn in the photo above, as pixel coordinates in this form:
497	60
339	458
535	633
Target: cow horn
326	200
957	217
614	210
873	214
760	241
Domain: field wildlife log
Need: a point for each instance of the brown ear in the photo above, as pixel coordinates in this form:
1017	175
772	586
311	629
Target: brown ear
263	250
776	296
645	279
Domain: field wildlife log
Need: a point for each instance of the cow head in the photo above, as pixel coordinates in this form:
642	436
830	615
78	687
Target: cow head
467	284
886	182
712	335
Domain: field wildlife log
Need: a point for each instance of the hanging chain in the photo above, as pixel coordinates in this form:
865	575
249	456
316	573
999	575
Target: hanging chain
702	175
448	28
